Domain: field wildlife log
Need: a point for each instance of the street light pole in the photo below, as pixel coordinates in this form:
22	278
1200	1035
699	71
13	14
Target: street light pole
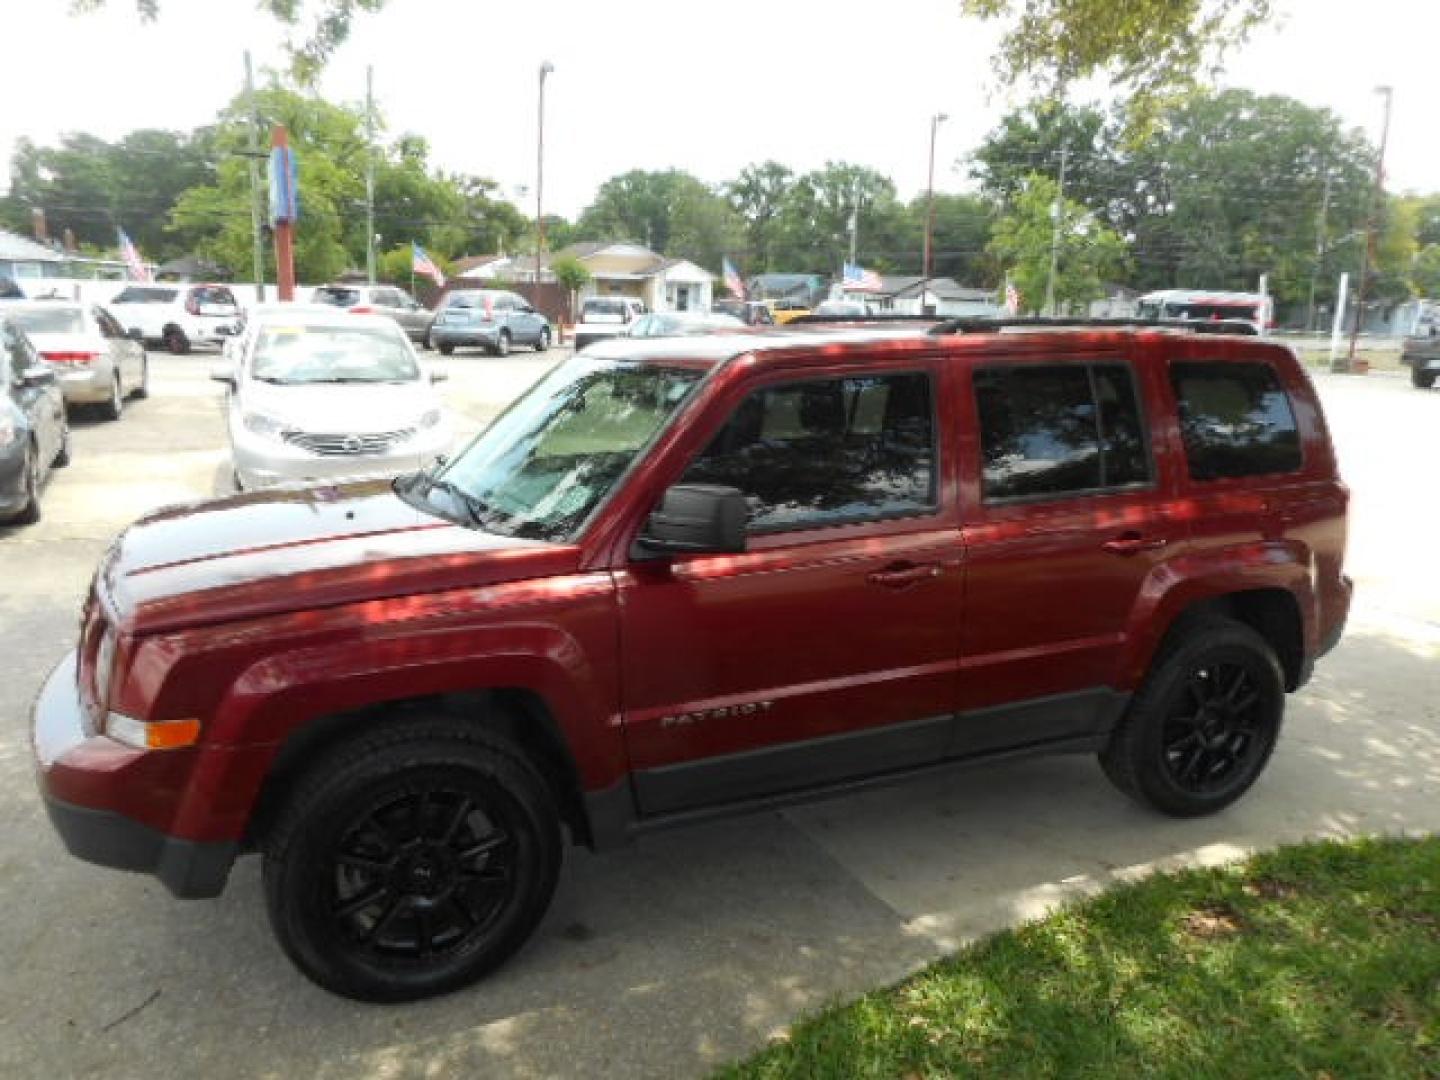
926	262
1349	363
1057	213
370	175
545	69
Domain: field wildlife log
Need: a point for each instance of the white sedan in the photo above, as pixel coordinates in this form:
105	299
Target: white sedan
322	394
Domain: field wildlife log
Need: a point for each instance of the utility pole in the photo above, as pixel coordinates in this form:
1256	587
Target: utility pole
545	69
1057	213
1319	249
254	154
854	219
1350	364
370	173
283	204
926	261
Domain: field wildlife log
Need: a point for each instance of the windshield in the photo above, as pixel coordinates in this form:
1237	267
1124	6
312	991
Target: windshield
55	320
603	311
337	295
291	355
544	465
469	300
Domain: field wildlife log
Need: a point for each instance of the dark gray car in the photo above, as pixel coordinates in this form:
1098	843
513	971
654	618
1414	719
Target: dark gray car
34	437
493	319
414	317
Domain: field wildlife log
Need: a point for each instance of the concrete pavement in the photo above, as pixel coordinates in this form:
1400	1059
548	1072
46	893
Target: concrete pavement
692	947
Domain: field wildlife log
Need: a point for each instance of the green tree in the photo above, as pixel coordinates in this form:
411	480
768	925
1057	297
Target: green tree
1089	253
1426	272
963	225
1032	140
669	211
758	195
572	275
813	233
1150	51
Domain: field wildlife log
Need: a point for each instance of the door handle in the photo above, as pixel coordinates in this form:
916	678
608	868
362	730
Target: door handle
897	577
1133	543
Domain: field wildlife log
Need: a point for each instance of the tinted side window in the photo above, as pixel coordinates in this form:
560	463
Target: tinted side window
1058	429
828	451
1236	420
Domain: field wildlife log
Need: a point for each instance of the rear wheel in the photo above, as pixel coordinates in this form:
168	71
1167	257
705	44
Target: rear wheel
446	350
176	341
1202	727
112	409
1421	379
543	342
412	861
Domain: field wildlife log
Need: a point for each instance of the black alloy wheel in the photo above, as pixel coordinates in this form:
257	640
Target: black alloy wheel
414	863
1201	729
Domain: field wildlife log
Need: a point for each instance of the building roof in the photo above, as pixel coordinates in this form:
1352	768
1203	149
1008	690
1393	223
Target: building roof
474	262
16	247
943	288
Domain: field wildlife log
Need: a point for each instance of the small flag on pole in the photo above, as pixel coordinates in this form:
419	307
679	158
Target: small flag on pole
421	263
1012	299
731	277
134	264
856	278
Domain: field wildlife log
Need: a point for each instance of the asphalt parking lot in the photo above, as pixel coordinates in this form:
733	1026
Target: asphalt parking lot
692	947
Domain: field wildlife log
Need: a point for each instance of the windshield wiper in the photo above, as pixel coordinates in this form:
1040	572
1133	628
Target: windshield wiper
405	486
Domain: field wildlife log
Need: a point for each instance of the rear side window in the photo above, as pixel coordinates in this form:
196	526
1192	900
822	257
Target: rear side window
141	295
1049	430
828	452
339	296
1236	420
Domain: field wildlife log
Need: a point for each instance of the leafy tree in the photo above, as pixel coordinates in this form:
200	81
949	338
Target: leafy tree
1426	272
1033	138
1089	253
670	212
395	266
814	223
1150	51
758	195
963	224
572	275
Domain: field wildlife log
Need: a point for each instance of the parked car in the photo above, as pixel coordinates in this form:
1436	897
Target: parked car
323	395
178	316
605	317
95	361
34	434
681	323
694	576
786	310
494	319
414	318
750	312
1421	354
840	309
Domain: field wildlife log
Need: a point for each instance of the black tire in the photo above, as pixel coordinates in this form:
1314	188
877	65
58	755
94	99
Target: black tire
502	344
543	342
1204	723
176	341
143	390
425	341
29	514
62	456
115	407
426	830
1421	379
446	350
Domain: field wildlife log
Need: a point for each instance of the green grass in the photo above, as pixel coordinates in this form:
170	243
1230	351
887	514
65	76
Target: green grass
1321	960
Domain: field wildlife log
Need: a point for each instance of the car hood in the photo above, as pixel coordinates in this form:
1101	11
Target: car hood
352	408
289	549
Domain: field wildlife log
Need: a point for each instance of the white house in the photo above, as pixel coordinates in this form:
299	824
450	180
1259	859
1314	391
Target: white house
617	268
911	294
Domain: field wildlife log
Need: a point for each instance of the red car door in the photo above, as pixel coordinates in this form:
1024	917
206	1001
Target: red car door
828	649
1066	512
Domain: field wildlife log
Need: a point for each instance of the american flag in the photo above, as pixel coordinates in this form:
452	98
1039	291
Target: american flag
1012	299
134	264
856	278
732	280
421	263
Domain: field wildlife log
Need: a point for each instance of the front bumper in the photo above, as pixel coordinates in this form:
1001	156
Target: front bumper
263	462
70	758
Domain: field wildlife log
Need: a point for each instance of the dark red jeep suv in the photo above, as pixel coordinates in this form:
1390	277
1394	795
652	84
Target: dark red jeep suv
692	576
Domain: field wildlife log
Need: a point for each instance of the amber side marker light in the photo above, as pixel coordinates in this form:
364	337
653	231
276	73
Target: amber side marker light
160	735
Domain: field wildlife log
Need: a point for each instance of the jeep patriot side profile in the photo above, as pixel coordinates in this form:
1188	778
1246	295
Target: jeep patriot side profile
687	577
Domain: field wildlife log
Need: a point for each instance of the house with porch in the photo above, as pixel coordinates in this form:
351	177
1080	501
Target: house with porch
617	268
911	294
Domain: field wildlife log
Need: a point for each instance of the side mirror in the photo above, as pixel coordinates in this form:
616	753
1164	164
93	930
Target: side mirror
37	376
223	373
136	334
439	376
697	518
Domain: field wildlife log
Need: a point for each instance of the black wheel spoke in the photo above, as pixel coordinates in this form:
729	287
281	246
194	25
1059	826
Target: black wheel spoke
1244	704
364	863
362	900
418	821
489	877
483	846
463	809
424	931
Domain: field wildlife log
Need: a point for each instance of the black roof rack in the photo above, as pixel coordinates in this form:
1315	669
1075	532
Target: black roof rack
877	317
986	326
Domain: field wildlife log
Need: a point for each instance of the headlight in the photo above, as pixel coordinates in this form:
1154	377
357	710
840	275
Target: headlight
430	419
261	424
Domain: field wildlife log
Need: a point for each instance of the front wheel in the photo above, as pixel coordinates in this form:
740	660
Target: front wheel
446	350
1204	723
1421	379
543	341
176	341
143	390
412	862
502	344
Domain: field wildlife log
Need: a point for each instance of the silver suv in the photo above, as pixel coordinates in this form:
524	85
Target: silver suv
414	318
491	318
